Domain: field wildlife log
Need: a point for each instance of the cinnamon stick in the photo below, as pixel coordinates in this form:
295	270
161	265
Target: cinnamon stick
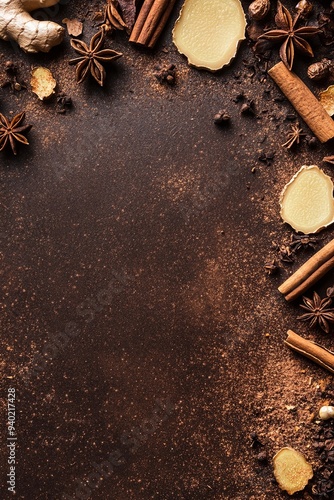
309	273
311	350
304	102
151	20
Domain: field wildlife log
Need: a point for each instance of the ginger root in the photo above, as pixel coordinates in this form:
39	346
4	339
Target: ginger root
32	36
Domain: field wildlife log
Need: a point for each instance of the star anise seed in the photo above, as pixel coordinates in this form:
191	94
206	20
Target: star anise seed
13	131
289	36
92	57
318	312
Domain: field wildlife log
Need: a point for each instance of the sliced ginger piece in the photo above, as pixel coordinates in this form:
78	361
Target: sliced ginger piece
307	202
326	98
42	83
291	470
209	33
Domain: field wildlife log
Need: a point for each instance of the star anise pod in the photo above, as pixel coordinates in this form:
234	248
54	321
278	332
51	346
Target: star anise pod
318	311
112	18
294	135
289	36
13	131
92	57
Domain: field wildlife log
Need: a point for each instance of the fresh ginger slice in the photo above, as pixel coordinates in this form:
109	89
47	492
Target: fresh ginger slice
307	202
291	470
208	33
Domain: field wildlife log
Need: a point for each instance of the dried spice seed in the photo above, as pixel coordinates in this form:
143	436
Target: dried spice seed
258	9
248	108
319	70
13	131
318	311
166	74
64	102
305	8
289	36
222	117
271	267
91	58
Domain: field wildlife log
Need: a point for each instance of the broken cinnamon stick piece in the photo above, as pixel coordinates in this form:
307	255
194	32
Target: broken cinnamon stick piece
151	20
309	273
311	350
304	102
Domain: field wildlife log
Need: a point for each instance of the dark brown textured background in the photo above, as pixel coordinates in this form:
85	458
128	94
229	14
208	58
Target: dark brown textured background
137	225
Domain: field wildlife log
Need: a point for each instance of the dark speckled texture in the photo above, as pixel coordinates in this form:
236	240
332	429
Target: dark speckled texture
133	236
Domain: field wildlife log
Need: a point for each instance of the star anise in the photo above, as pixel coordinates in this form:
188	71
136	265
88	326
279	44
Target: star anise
294	135
319	312
112	18
92	57
289	36
13	131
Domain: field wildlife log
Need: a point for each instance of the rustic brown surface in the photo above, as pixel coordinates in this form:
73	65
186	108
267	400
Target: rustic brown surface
136	220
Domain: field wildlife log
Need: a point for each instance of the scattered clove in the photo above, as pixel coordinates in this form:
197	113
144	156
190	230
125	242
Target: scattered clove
166	74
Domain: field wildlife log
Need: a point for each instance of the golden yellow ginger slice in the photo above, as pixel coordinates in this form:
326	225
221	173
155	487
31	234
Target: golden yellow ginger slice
208	33
327	99
42	83
291	470
307	202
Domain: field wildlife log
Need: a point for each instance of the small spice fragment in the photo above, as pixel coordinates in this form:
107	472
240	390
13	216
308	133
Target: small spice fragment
64	102
291	470
11	71
222	117
209	33
166	74
294	136
271	267
267	158
319	70
248	108
329	159
13	131
112	18
91	58
42	83
74	26
307	202
318	311
289	36
305	8
258	9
